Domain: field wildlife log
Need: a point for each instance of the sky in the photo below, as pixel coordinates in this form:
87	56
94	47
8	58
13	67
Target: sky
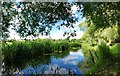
55	33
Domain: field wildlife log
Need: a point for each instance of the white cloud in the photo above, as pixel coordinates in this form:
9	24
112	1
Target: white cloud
79	35
57	34
70	57
72	62
74	8
73	58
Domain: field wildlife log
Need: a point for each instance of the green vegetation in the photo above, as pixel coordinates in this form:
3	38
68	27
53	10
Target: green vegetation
108	63
101	59
115	49
100	42
101	49
14	52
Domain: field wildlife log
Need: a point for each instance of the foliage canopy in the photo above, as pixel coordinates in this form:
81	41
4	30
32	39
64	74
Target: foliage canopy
34	18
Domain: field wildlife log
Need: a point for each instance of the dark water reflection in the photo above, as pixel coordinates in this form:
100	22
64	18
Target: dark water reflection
59	62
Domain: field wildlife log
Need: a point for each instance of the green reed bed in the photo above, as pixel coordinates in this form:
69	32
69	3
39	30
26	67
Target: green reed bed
25	53
15	51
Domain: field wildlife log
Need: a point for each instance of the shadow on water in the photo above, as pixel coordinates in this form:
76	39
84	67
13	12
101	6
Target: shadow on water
62	62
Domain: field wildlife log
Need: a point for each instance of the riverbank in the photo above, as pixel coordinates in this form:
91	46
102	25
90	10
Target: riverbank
112	67
107	64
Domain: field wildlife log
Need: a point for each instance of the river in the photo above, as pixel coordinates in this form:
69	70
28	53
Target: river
57	63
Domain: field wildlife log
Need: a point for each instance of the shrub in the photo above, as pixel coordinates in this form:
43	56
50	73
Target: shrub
103	51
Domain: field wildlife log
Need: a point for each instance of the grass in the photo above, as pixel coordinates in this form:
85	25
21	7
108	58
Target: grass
107	62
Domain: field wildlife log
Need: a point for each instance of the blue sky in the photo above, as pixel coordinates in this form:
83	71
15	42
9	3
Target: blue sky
55	33
58	34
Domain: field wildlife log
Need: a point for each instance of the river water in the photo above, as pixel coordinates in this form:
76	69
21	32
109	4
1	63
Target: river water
58	63
69	62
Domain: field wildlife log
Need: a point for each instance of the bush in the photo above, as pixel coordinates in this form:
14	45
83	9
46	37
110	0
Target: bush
103	51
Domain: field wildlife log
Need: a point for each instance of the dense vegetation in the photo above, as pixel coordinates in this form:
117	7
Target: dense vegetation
18	53
101	49
100	42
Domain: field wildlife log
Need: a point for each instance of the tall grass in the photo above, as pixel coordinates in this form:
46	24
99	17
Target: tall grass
97	56
18	52
20	49
103	51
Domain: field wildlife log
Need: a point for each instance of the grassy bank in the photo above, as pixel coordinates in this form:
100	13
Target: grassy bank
102	59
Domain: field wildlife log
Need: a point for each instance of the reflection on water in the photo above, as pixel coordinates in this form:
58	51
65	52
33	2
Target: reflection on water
58	63
63	65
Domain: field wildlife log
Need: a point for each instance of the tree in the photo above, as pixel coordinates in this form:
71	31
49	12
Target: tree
36	18
102	14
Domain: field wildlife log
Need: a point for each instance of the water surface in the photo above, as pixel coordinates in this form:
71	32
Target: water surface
61	64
